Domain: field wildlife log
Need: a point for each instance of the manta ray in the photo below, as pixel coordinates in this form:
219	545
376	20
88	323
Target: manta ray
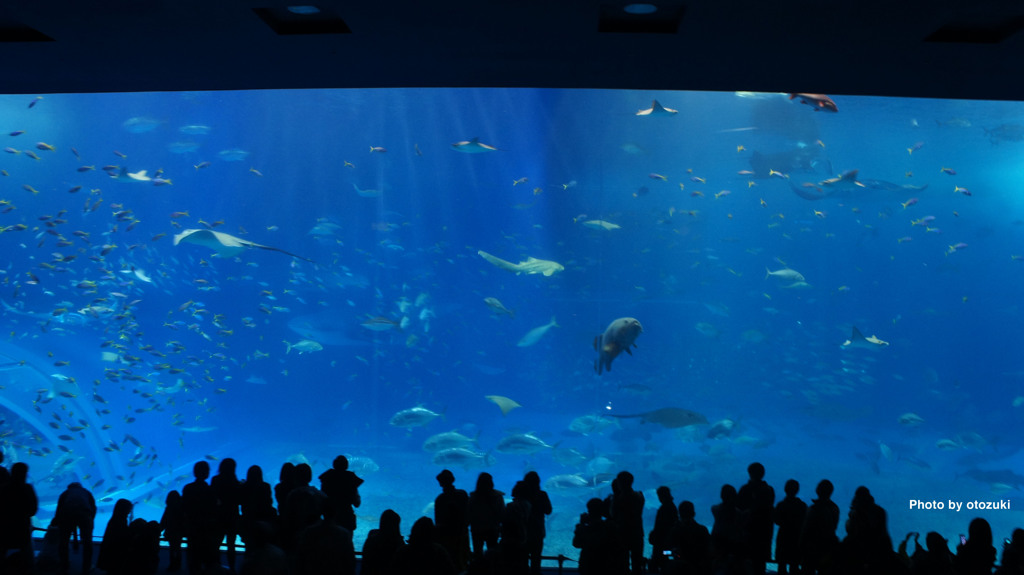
669	417
473	147
657	109
858	340
226	245
530	266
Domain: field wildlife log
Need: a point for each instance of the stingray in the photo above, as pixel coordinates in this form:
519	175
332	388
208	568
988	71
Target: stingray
858	340
505	404
670	417
473	147
226	245
657	109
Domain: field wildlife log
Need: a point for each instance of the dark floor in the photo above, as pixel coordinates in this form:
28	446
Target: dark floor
42	567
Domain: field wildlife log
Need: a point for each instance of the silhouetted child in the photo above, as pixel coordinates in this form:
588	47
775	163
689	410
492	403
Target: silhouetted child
789	516
515	555
595	538
691	547
76	510
818	541
423	555
486	506
935	560
727	533
451	516
172	522
382	544
757	499
665	523
341	487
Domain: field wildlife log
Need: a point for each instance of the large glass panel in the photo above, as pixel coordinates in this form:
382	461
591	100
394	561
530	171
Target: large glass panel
279	275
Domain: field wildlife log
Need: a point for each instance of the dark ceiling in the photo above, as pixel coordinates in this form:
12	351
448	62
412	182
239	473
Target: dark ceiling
954	49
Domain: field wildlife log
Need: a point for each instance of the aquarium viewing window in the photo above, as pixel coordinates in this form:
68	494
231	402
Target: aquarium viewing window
573	282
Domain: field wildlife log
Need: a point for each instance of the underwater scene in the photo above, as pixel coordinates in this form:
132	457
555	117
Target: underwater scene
575	282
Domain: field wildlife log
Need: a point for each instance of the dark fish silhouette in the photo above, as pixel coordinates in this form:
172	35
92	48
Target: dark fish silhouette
670	417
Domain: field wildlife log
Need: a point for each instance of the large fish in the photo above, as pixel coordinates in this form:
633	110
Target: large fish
226	245
534	335
530	266
670	417
617	338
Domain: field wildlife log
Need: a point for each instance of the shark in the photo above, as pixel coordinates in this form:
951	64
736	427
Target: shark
657	109
858	340
226	245
668	417
473	146
529	266
845	185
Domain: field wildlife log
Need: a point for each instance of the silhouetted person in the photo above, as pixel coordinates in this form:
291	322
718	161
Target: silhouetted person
867	547
540	506
514	542
691	547
172	522
1012	562
325	548
257	501
665	523
143	556
382	544
818	541
595	538
304	506
935	560
757	499
262	556
18	504
486	506
76	510
341	487
117	541
977	555
5	475
423	555
199	503
285	484
228	491
727	532
451	517
627	509
789	516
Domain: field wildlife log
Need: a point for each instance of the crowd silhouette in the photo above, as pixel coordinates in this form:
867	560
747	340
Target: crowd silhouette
309	531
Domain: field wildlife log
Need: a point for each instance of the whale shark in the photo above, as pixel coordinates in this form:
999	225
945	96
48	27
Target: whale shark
226	245
669	417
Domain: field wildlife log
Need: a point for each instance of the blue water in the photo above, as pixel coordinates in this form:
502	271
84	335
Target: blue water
197	364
